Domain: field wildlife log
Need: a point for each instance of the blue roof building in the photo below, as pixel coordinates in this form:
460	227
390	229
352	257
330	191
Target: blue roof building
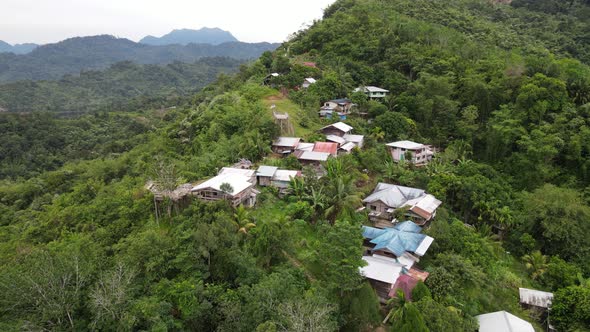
399	240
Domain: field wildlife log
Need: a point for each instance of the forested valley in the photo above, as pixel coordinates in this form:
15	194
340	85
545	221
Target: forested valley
501	90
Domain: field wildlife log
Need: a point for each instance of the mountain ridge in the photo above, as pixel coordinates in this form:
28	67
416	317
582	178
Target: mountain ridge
213	36
52	61
17	48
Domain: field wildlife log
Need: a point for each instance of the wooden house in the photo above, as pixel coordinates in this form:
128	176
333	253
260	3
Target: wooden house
415	153
338	129
241	189
311	157
285	145
387	198
307	82
373	92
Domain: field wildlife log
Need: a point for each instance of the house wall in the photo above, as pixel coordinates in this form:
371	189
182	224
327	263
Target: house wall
212	195
264	181
382	289
282	149
332	131
377	94
377	206
418	156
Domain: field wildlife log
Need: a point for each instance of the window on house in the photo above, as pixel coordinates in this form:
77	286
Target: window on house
373	207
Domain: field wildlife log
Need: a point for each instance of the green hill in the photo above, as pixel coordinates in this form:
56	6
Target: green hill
52	61
123	86
82	247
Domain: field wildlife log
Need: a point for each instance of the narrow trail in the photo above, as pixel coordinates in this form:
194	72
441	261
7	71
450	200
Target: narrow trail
295	262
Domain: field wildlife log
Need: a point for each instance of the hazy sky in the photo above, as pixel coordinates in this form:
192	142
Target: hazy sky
46	21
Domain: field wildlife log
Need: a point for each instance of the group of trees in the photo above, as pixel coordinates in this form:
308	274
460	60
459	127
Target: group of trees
124	86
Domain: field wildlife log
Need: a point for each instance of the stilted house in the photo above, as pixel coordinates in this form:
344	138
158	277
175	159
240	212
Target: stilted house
338	129
236	188
373	92
285	145
416	205
273	176
391	256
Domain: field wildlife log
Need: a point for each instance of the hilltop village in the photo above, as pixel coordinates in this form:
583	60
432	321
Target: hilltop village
407	166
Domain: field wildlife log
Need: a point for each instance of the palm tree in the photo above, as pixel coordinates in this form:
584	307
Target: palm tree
343	196
536	263
242	220
297	187
404	315
317	200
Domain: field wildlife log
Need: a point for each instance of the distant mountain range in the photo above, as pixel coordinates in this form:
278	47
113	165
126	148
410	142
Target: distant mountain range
214	36
52	61
17	48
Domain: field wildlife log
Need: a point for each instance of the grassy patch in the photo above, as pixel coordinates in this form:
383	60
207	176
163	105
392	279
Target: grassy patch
297	115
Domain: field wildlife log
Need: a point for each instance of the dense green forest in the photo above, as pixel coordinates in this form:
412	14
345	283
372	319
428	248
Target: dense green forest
71	56
123	86
81	249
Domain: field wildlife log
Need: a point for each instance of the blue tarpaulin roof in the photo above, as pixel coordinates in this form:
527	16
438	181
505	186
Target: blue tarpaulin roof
403	237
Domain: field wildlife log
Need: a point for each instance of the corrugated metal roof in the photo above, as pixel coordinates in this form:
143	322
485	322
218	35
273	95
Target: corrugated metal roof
370	88
266	171
327	147
340	126
535	297
311	80
398	241
354	138
238	182
305	146
313	155
335	138
406	145
285	175
394	196
286	141
241	171
348	146
381	268
502	321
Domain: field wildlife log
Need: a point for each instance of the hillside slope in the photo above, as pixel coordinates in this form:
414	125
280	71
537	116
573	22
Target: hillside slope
123	86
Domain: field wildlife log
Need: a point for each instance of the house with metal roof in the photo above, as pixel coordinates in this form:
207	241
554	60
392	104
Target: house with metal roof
391	257
285	145
248	173
502	321
372	92
326	147
358	140
417	205
402	240
241	189
311	157
273	176
307	82
337	129
412	152
382	272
